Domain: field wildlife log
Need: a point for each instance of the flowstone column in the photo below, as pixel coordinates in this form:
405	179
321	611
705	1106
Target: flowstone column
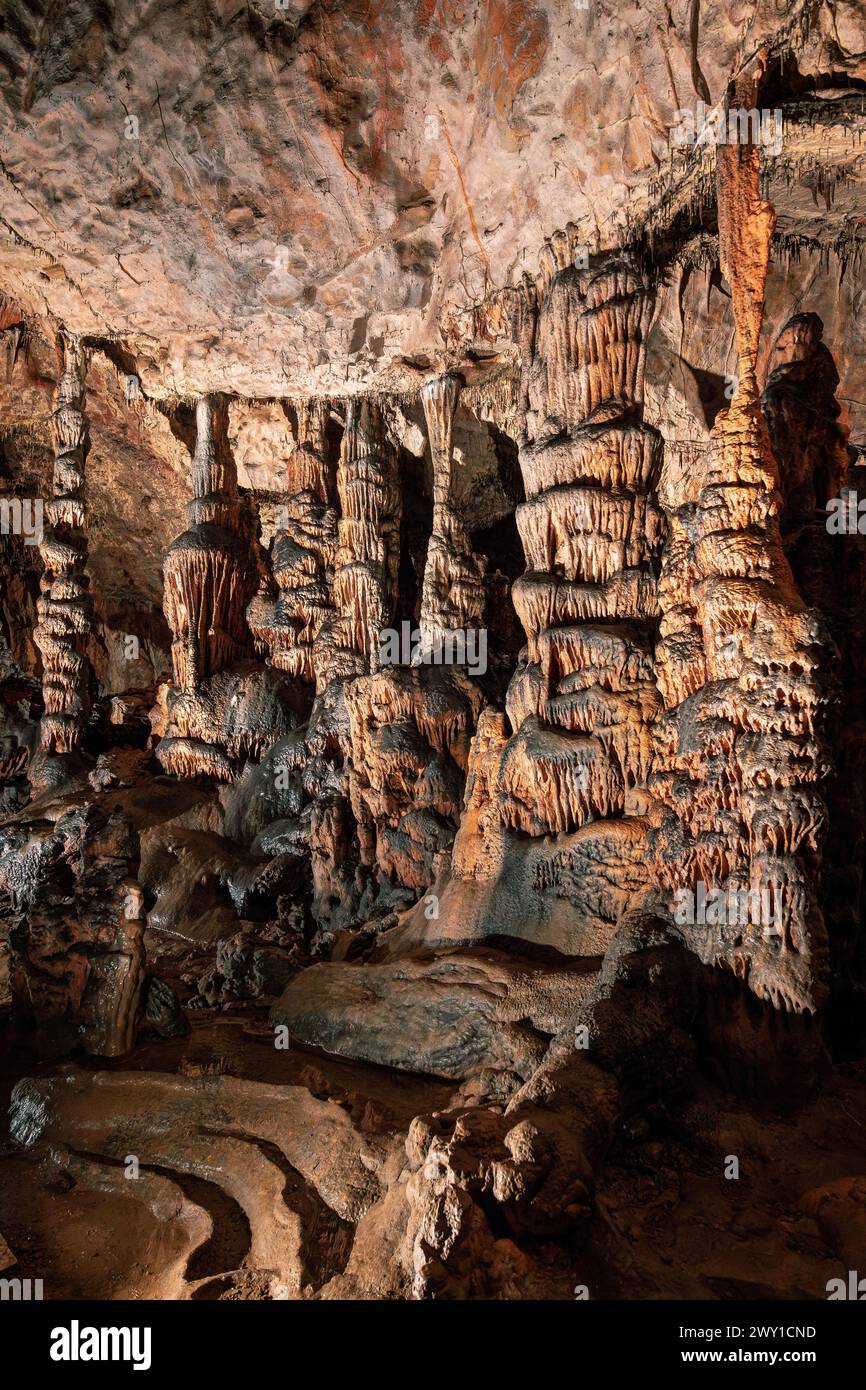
65	606
368	546
582	704
552	842
210	576
452	597
346	648
743	672
397	736
208	570
304	552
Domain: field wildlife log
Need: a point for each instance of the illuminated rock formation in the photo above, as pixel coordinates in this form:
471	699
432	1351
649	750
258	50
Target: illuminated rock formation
65	608
452	597
343	835
409	745
210	575
368	546
828	561
244	1137
740	762
581	703
592	532
393	738
400	950
304	551
208	570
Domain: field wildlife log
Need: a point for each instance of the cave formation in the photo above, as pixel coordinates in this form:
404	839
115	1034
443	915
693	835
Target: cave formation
433	577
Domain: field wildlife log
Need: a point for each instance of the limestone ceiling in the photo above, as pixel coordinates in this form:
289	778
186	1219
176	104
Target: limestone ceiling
287	198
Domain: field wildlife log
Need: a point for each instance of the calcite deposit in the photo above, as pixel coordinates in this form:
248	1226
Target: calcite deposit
432	593
64	607
288	624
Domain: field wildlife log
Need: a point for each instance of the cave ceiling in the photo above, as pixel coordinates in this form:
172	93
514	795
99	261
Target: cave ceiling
273	200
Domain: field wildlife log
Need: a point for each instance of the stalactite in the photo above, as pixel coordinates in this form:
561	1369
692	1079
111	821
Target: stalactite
208	570
303	554
210	575
65	607
365	560
398	736
591	532
368	546
453	591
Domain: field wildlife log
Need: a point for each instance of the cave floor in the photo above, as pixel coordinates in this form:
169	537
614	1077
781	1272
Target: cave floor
667	1223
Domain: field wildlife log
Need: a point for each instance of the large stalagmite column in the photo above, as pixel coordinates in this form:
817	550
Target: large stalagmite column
210	575
740	758
368	549
402	733
347	644
208	570
452	597
303	553
552	844
582	705
65	606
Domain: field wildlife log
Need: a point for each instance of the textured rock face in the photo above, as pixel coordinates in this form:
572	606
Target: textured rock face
453	594
368	544
76	924
431	735
304	553
64	607
581	704
210	573
278	191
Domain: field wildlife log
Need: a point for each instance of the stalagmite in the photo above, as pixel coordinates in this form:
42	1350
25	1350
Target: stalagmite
303	554
368	546
740	761
210	576
65	608
77	926
558	786
591	531
410	733
435	787
453	593
398	735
